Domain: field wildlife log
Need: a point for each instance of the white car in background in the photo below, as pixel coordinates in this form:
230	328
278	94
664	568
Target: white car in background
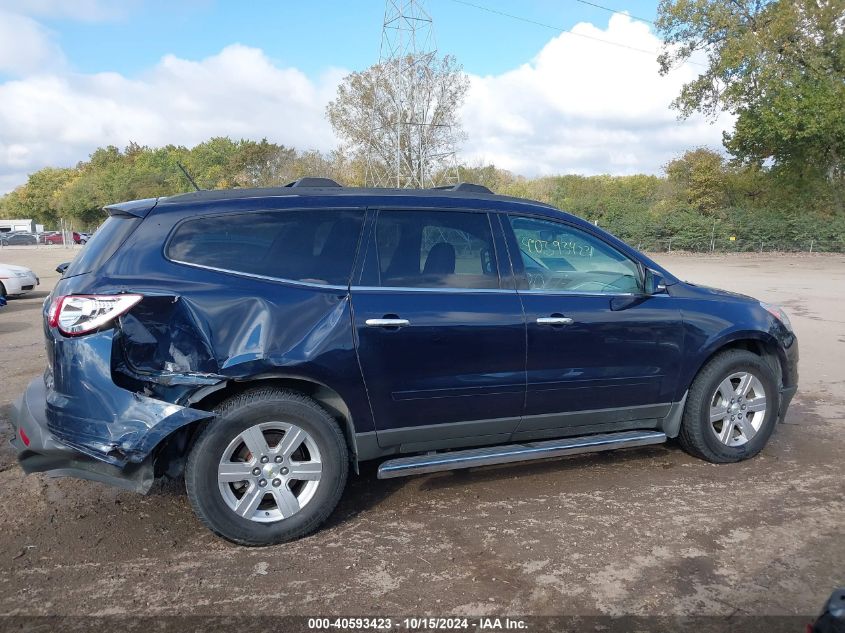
16	280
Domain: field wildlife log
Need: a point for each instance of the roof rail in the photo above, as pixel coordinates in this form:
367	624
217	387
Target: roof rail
465	186
313	182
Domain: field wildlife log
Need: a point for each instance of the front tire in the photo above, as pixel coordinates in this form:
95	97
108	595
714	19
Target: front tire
270	468
731	409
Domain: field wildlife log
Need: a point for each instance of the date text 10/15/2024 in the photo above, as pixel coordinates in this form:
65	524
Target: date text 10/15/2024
418	623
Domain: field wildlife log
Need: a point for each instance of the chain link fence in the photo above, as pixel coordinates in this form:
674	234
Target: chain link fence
719	245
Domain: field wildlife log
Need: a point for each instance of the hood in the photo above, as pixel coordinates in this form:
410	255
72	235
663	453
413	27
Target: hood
718	292
11	268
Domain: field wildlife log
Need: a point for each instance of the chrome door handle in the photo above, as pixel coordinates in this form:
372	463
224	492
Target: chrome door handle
554	321
387	322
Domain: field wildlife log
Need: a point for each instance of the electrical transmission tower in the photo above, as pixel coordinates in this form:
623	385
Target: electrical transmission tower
408	146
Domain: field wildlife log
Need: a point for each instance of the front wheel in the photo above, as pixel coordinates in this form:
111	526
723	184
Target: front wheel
269	468
731	409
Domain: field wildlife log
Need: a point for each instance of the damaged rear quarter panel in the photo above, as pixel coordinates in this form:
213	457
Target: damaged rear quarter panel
197	327
86	410
302	334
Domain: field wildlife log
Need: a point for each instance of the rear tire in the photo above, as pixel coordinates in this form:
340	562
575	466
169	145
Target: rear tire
731	409
270	468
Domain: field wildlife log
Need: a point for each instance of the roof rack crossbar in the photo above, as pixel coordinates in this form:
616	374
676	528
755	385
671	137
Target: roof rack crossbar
313	182
465	186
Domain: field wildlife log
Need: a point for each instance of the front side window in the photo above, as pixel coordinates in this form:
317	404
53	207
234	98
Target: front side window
560	257
314	246
435	249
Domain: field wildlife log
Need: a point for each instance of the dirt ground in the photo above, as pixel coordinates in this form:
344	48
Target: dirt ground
646	531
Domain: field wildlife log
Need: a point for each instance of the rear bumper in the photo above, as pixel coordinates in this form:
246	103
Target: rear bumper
43	452
76	422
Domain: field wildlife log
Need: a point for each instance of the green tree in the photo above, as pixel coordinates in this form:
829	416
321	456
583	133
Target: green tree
778	65
39	197
698	178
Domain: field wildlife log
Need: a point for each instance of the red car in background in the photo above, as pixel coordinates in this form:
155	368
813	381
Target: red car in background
54	237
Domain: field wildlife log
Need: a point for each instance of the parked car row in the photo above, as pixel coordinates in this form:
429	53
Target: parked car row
24	238
18	238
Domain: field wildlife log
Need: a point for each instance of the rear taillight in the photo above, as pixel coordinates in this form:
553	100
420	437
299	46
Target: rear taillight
79	314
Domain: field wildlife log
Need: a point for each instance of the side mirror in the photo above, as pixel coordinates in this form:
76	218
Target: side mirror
654	283
61	268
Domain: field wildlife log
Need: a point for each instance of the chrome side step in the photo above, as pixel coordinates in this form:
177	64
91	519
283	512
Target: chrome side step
452	460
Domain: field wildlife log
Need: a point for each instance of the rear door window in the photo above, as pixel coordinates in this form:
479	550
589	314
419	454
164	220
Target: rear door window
433	249
313	246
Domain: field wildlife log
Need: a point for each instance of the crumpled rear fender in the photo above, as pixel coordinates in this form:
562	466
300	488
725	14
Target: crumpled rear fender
88	411
117	393
181	348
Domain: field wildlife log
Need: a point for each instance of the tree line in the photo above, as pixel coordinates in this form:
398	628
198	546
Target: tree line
78	194
700	200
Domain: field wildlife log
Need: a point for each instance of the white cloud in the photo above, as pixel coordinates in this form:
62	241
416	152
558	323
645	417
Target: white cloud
583	106
26	46
579	106
53	119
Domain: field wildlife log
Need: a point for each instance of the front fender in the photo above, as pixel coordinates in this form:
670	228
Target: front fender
703	348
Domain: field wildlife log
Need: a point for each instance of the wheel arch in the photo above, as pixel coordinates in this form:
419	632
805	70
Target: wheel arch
755	342
760	343
171	453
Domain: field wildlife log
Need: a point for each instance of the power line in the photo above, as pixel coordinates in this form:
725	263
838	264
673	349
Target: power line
598	6
563	30
554	28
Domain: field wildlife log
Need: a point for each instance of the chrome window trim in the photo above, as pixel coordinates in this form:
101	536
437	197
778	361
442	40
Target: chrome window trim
292	282
451	290
575	293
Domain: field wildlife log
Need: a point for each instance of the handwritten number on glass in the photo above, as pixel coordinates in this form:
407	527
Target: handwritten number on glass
556	248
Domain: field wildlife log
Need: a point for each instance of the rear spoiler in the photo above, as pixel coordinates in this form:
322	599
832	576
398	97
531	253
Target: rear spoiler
138	208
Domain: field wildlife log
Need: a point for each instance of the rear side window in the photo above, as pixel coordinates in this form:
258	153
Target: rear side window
434	249
102	245
314	246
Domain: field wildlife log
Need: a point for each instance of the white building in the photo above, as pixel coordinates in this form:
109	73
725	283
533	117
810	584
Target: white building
18	225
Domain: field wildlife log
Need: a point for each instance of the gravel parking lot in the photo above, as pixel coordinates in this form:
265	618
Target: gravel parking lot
646	531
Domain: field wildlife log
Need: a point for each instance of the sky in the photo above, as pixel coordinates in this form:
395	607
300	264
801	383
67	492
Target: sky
546	96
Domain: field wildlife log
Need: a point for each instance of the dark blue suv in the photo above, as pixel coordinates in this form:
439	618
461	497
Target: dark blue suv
262	342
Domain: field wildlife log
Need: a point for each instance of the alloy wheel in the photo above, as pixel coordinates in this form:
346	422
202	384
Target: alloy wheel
269	472
738	408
